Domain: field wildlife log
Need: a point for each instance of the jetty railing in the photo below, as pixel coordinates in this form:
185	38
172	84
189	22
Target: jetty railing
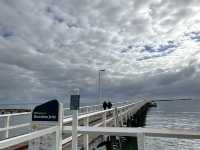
7	125
114	116
139	133
92	108
107	116
27	137
6	118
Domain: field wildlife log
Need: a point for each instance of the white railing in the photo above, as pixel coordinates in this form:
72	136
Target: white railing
140	133
83	109
100	128
124	107
7	121
121	131
92	108
8	117
117	114
86	117
27	137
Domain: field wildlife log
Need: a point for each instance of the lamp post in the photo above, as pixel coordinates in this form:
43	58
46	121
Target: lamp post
99	84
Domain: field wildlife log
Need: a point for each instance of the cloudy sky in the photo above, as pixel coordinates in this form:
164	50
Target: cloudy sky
149	48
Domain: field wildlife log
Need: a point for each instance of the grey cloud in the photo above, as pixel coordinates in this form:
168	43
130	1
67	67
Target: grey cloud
48	47
172	14
167	84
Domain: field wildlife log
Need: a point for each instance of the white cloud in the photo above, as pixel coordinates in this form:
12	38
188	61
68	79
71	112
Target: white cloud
48	47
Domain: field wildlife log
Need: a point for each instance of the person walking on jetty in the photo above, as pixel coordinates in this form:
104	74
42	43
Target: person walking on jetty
109	105
105	105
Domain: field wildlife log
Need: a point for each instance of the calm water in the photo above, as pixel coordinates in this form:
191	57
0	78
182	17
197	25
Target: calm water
174	114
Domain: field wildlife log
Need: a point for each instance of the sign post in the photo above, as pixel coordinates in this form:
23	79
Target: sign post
44	116
74	106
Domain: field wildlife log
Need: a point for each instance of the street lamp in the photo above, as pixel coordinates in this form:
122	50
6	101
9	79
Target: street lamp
99	84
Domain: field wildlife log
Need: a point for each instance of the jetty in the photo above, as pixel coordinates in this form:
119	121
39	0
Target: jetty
95	127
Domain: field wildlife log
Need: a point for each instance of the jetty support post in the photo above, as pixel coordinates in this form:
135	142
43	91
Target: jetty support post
104	122
74	106
126	117
59	131
86	137
104	119
121	118
74	129
140	141
115	116
7	126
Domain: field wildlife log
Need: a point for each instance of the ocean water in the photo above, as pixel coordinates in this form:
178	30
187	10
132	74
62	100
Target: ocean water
175	115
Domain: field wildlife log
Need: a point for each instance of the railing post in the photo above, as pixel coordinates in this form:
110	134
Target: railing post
74	131
126	117
140	141
104	119
74	106
7	126
59	130
86	137
121	117
115	116
104	123
44	116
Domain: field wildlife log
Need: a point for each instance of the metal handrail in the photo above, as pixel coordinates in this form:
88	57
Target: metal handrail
68	120
139	133
8	116
133	132
26	137
32	135
15	114
28	113
15	127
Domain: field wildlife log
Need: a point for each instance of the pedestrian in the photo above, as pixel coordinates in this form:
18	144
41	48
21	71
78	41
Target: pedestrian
105	105
109	105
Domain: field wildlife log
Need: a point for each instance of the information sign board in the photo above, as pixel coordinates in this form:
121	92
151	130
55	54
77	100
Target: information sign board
48	111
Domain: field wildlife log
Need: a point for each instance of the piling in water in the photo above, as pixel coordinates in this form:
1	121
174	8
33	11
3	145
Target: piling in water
136	120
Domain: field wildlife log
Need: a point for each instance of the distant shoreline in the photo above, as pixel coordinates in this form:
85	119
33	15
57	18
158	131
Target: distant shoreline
179	99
